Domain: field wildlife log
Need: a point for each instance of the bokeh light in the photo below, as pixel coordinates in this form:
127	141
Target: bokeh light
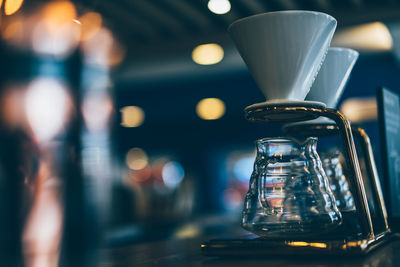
11	107
219	6
142	175
360	110
102	49
172	174
132	116
57	13
91	23
12	6
371	37
210	108
46	107
232	198
97	109
116	54
136	159
208	54
44	226
56	33
13	32
243	168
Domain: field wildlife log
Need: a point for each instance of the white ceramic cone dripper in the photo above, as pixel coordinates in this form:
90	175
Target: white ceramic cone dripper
284	50
332	78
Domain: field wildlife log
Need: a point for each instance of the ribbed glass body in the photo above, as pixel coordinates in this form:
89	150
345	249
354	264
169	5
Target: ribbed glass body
337	181
289	193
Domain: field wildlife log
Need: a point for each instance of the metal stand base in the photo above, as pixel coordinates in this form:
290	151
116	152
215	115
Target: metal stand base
363	240
259	246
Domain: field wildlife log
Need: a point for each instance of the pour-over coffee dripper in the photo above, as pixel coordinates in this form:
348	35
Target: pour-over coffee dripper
284	51
332	78
328	88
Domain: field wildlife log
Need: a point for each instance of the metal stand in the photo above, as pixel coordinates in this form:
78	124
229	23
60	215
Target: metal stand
363	240
269	113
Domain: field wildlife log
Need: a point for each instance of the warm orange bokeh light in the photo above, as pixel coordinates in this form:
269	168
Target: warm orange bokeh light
136	159
14	31
210	108
90	25
56	33
56	14
117	54
102	49
11	107
12	6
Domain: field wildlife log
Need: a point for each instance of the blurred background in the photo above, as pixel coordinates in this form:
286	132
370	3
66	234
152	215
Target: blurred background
126	117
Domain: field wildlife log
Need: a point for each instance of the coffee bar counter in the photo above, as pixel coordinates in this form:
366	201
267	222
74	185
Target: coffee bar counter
187	252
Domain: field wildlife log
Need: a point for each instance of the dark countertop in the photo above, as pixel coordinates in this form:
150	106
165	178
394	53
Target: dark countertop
188	253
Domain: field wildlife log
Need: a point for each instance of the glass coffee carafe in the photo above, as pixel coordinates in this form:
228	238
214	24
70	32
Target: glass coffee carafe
289	193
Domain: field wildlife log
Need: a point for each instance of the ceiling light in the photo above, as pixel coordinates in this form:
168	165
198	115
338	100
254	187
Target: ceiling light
136	159
12	6
132	116
210	108
372	37
359	110
208	54
219	6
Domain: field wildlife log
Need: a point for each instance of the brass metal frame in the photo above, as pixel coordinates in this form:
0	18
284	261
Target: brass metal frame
281	113
372	171
369	237
324	129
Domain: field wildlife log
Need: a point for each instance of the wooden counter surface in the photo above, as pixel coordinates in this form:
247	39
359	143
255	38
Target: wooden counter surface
188	253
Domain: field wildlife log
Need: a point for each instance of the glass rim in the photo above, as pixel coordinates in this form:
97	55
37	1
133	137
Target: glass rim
284	139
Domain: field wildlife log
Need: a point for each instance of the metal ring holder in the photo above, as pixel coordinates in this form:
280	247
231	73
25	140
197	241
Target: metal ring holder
298	112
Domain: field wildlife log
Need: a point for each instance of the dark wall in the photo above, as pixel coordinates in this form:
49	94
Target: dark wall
172	125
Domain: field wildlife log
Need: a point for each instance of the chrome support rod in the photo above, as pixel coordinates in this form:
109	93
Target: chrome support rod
372	171
354	166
